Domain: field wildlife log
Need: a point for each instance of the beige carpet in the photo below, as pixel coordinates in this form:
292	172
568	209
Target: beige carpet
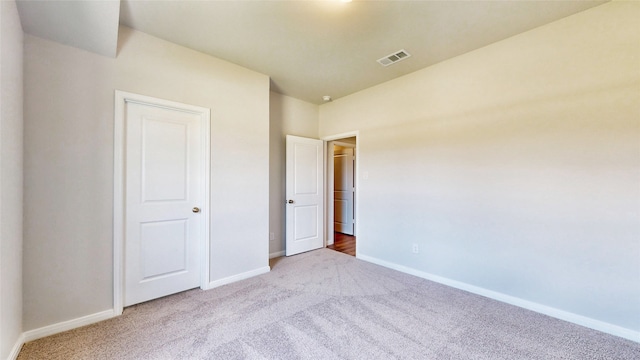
327	305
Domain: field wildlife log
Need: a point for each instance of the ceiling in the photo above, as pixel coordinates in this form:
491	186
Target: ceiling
308	48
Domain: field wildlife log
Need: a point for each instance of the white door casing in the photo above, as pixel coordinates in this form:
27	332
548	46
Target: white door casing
343	190
304	194
161	231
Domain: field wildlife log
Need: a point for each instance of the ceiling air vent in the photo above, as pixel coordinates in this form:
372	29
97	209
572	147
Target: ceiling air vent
394	58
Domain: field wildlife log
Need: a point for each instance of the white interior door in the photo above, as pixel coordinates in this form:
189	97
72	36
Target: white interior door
305	195
163	197
343	190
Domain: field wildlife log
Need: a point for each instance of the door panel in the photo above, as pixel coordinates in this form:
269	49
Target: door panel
306	226
163	248
305	167
164	170
163	182
305	192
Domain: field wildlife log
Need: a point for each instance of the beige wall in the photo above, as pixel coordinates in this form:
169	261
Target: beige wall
69	100
515	168
289	116
11	163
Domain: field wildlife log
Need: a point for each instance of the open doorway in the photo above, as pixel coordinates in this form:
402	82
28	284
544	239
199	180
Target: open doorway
342	194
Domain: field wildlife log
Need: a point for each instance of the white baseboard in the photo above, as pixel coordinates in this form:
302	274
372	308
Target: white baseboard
67	325
276	254
512	300
13	355
238	277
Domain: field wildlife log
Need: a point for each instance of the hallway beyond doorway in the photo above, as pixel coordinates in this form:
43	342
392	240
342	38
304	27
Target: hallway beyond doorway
344	243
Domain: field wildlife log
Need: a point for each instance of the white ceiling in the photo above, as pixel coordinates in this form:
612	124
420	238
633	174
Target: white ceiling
308	48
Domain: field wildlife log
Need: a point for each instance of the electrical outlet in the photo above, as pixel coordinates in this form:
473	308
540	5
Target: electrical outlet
415	248
272	236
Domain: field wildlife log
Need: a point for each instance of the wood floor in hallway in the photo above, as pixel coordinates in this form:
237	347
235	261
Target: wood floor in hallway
344	243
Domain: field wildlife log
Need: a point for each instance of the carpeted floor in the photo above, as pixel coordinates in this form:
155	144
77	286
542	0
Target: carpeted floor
328	305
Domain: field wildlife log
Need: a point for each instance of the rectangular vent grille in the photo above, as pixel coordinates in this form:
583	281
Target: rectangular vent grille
393	58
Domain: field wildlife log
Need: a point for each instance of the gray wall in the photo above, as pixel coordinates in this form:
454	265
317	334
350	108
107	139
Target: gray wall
289	116
515	168
11	162
69	100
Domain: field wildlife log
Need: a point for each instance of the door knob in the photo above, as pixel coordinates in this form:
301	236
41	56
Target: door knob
196	209
290	201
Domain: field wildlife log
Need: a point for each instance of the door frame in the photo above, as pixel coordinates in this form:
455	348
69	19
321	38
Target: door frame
119	181
329	175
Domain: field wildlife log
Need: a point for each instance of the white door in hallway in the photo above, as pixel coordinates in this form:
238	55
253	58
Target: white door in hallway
343	190
304	194
164	200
